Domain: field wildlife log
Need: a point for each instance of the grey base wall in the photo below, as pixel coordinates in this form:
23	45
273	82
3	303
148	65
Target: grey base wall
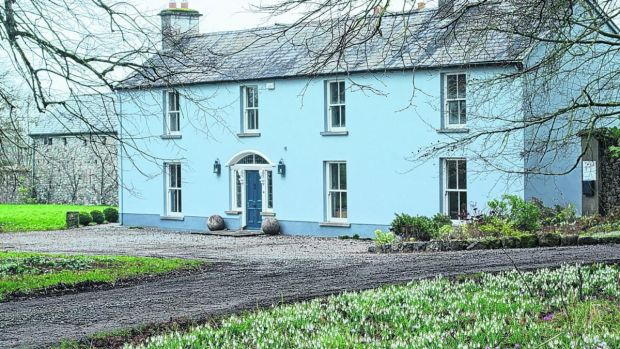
300	228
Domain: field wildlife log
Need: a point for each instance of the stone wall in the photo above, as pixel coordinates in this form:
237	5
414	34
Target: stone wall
14	184
610	177
78	169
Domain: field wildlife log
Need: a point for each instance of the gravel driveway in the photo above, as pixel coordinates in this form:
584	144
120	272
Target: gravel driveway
244	273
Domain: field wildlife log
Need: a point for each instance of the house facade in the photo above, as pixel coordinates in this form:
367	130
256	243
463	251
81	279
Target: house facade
74	155
330	153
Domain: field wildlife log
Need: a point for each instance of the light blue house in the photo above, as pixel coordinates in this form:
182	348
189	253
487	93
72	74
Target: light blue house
248	124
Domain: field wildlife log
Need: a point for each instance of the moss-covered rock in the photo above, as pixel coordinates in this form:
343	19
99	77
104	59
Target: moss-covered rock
492	243
476	245
569	240
454	245
434	246
528	241
586	240
549	240
510	242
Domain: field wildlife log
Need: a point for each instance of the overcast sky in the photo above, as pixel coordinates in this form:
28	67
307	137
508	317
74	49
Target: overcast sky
221	15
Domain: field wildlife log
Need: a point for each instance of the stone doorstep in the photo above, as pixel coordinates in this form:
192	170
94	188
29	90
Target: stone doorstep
233	233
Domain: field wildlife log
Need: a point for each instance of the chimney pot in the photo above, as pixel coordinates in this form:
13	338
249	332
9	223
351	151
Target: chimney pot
184	4
172	4
378	10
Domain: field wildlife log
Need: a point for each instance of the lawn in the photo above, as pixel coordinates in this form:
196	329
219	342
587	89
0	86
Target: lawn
37	217
570	307
24	273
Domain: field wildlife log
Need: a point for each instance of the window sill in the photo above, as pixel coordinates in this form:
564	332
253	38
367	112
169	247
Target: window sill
335	225
453	130
171	218
268	214
233	213
248	134
171	136
335	133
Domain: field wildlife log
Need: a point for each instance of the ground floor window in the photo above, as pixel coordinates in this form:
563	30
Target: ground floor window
269	189
173	189
336	191
455	196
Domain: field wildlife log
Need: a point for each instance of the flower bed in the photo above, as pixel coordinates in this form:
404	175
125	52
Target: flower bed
489	243
509	223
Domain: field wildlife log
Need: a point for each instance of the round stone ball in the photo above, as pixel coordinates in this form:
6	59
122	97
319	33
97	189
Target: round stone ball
215	223
270	226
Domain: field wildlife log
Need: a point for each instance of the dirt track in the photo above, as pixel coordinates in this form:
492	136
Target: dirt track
244	273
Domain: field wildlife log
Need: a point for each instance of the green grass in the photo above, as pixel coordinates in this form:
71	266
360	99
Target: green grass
570	307
24	273
15	218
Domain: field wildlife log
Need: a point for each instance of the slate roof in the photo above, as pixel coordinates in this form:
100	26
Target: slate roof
92	114
417	39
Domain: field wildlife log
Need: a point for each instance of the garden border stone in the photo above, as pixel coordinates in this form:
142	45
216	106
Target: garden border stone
524	241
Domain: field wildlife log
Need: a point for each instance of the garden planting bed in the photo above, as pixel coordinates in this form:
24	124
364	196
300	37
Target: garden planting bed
524	241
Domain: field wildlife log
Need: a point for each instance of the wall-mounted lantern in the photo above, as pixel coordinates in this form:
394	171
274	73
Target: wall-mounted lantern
281	168
217	167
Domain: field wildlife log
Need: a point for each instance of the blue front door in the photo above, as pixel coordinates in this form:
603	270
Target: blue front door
254	201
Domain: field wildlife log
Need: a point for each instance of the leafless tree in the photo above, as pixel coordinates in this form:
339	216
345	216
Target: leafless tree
564	54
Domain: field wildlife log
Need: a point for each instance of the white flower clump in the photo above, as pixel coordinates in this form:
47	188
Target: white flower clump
506	310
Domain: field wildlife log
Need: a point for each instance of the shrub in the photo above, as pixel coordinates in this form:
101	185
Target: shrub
419	227
523	215
384	238
496	226
85	218
111	215
440	220
97	216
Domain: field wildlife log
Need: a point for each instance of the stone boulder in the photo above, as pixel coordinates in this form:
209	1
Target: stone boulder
569	240
270	226
549	240
587	240
510	242
528	241
216	223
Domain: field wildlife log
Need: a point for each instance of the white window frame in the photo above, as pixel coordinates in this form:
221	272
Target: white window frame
173	112
458	99
340	104
169	188
247	108
446	190
329	192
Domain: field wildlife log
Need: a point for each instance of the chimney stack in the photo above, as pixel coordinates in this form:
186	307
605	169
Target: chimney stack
178	23
445	7
421	5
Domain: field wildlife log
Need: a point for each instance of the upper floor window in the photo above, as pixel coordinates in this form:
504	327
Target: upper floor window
173	113
455	193
336	109
47	141
64	141
250	109
455	100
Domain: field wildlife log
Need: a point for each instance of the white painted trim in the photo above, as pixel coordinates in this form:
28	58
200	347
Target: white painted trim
233	160
446	112
328	191
446	206
242	168
245	107
330	128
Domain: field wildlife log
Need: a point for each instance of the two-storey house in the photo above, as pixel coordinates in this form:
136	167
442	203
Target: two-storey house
250	124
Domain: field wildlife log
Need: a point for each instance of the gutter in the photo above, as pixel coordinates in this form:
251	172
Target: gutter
518	63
